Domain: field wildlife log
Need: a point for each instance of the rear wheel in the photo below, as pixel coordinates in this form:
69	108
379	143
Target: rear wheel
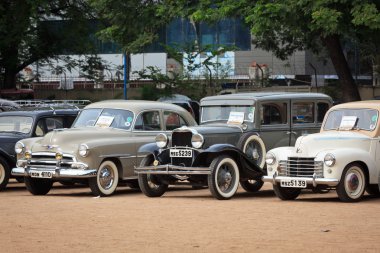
38	186
106	180
285	193
252	185
148	183
352	183
224	178
253	147
5	173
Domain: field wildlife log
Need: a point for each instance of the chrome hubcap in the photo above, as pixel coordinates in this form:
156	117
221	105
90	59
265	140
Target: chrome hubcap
106	177
225	177
352	182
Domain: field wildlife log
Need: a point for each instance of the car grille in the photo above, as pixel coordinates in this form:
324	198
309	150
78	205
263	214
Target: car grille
182	139
300	167
48	160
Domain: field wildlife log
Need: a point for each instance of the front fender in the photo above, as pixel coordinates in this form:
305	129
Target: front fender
149	148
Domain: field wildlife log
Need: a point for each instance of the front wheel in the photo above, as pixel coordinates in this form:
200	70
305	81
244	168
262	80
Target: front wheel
285	193
252	185
352	184
106	180
224	178
5	173
148	183
38	186
254	147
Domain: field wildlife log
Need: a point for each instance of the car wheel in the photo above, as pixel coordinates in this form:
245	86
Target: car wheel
252	185
373	189
106	180
285	193
38	186
352	183
253	146
5	173
148	183
224	178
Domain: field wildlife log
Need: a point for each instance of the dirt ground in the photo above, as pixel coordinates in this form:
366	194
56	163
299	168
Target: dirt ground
69	219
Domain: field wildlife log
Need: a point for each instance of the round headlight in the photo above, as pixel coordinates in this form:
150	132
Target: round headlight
329	160
197	140
270	158
162	140
19	147
83	150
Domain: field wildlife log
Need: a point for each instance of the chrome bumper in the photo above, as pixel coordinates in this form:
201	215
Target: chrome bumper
312	181
173	170
56	172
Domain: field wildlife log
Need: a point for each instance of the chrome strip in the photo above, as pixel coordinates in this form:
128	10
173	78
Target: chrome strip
313	181
173	170
58	172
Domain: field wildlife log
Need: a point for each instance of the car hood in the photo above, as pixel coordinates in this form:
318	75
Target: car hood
68	140
218	128
312	144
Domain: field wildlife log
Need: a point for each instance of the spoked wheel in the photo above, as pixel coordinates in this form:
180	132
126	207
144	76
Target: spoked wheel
252	185
38	186
285	193
106	180
5	173
352	184
253	147
224	178
148	183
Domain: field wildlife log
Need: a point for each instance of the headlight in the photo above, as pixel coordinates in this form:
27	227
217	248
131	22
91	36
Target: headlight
19	147
329	160
197	140
270	158
83	150
162	140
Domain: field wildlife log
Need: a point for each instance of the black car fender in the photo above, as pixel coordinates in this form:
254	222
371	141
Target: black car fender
149	148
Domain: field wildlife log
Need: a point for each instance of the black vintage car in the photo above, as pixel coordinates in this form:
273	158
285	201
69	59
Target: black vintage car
230	145
32	122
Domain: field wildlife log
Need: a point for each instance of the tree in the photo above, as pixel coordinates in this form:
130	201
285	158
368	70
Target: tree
289	25
27	37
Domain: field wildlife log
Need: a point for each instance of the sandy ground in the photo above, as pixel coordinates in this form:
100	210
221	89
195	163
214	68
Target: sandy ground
71	220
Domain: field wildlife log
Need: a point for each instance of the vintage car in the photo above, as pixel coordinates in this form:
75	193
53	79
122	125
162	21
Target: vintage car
101	147
17	125
230	144
345	156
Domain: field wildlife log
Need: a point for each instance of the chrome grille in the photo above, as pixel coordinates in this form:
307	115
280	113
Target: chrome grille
182	139
300	167
48	159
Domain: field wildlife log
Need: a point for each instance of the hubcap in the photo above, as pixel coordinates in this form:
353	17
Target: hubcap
354	182
106	177
225	177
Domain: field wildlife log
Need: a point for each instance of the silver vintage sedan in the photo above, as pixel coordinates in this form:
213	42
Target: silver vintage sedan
101	146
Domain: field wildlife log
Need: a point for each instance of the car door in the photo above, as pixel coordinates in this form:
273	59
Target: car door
274	123
306	117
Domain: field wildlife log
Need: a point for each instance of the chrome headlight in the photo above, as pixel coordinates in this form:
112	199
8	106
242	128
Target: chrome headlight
19	147
83	150
329	160
270	158
197	140
162	140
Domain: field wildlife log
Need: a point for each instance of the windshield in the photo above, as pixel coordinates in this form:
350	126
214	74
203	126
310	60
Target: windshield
116	118
16	124
365	119
225	112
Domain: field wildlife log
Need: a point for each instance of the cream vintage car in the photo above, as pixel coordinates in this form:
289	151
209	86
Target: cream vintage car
100	147
345	156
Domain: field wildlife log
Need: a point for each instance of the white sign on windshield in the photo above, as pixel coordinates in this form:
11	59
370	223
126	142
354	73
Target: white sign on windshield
348	122
104	121
236	118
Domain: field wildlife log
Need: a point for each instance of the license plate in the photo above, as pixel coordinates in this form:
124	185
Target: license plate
181	153
294	183
42	174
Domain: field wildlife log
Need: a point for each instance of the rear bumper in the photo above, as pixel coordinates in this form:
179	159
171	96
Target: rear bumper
172	170
310	181
55	172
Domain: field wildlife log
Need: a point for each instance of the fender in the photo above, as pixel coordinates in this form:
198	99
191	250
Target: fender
150	148
10	158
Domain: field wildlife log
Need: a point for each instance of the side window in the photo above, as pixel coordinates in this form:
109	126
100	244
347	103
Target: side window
40	128
322	108
53	123
173	120
148	121
303	112
273	113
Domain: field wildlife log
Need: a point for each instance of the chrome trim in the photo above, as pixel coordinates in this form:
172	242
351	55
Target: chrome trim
118	155
52	154
173	170
312	181
58	172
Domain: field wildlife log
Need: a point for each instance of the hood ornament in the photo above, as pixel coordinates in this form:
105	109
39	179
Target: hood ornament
49	147
298	150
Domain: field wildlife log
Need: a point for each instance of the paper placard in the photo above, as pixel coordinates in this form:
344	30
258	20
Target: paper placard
348	122
104	121
236	118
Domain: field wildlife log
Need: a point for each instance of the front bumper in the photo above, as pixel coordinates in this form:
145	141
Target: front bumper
55	172
173	170
310	181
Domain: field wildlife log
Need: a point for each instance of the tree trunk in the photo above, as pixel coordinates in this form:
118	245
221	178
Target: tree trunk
10	67
349	89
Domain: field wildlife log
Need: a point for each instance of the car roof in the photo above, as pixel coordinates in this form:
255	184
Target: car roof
370	104
40	112
134	105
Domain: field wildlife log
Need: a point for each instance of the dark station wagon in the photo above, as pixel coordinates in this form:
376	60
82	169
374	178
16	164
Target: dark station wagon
230	144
